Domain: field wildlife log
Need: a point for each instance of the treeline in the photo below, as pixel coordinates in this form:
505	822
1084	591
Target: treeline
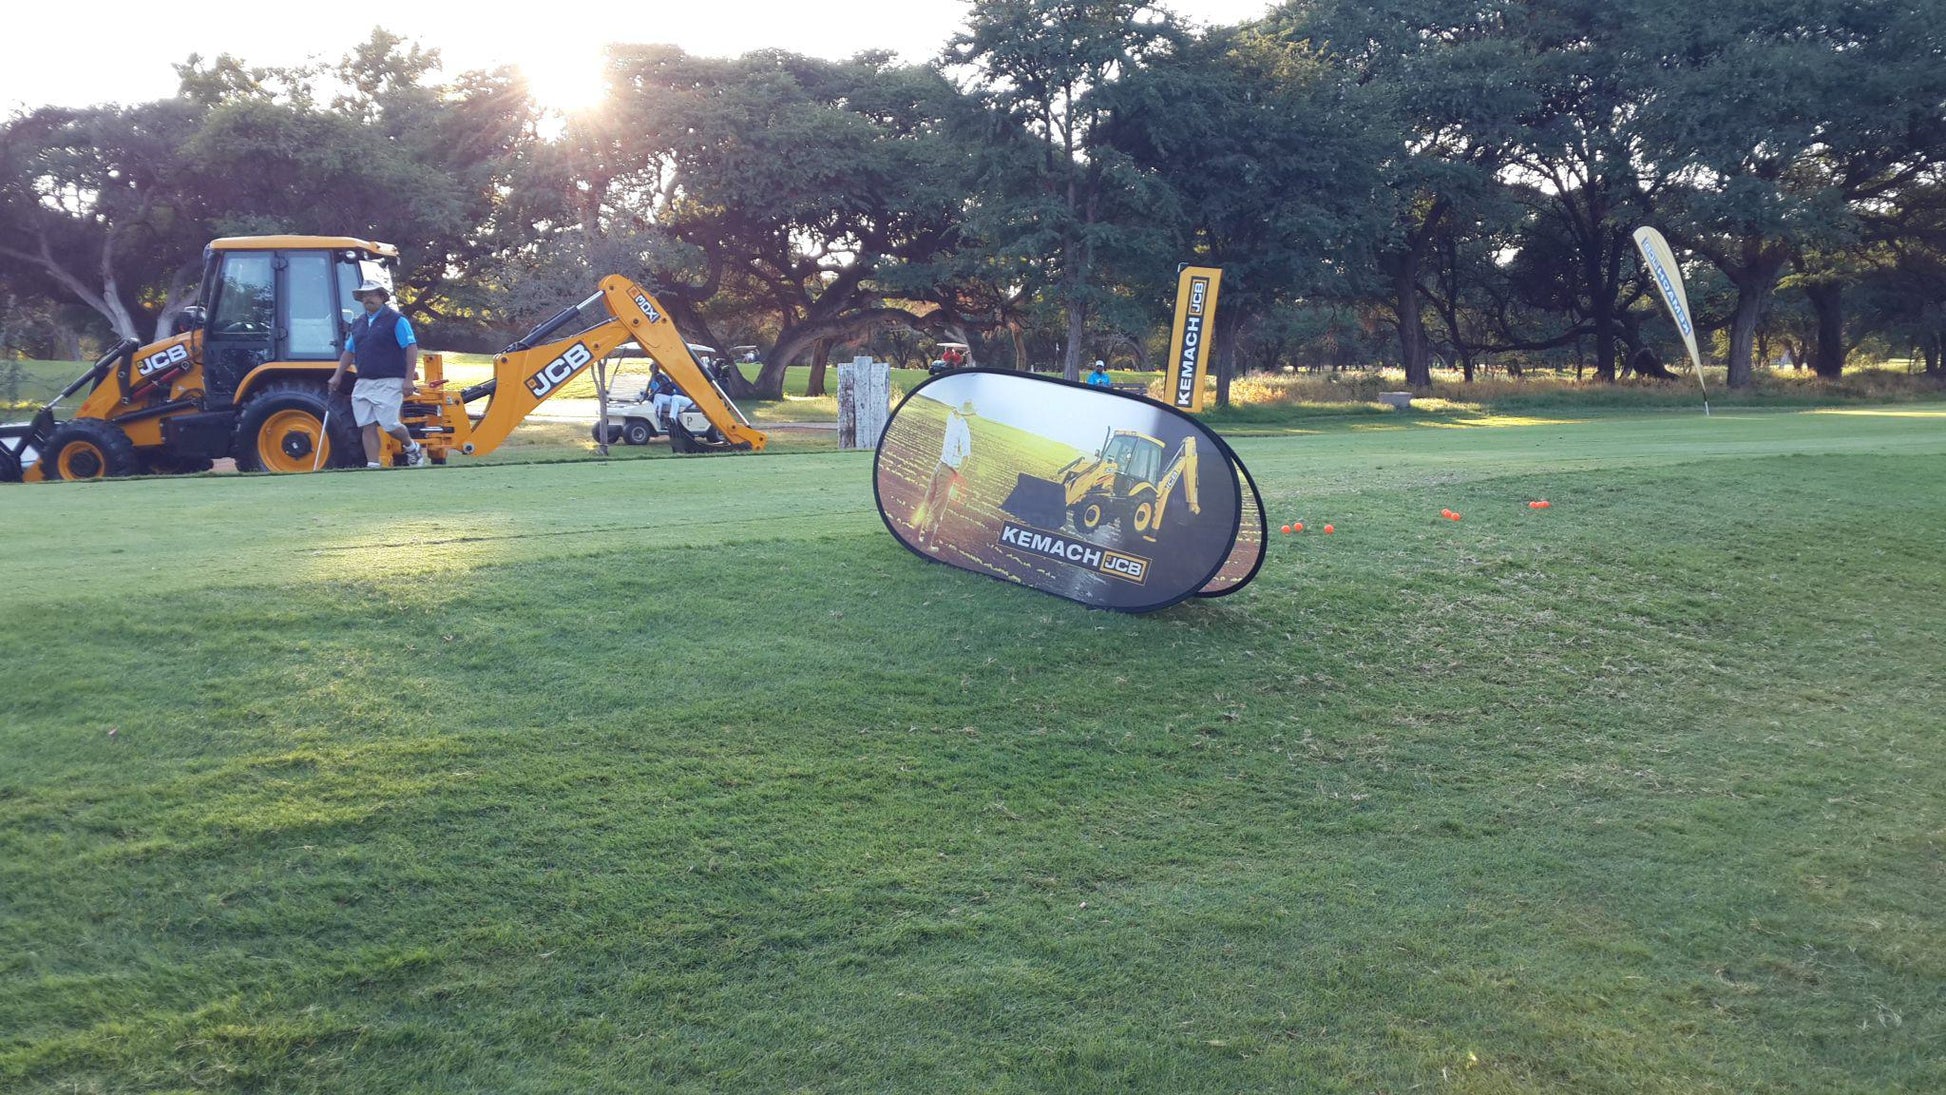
1402	181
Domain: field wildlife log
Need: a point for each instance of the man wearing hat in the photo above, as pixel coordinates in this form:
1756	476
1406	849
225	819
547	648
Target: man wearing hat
947	482
386	352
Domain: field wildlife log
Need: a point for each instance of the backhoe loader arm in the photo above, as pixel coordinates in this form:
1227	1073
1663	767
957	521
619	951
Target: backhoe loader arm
656	333
1183	467
531	371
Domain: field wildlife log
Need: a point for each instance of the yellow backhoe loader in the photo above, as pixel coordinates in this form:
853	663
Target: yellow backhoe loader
245	375
1124	480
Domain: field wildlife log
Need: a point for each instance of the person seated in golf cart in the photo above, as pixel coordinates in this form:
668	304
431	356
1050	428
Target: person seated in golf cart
667	399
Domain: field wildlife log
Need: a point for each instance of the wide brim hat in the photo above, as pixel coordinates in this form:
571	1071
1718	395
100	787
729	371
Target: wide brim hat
370	286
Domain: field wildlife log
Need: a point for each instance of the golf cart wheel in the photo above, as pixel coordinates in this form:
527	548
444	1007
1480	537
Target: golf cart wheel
637	431
87	448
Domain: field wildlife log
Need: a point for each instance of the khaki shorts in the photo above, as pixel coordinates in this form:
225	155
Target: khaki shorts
378	401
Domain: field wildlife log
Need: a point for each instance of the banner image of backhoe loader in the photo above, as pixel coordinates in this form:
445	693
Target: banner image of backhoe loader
1099	497
245	374
1123	480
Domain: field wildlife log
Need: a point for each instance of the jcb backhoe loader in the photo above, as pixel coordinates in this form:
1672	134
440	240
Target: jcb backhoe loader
245	375
1124	480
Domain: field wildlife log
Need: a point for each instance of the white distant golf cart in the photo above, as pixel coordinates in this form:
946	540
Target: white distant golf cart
648	413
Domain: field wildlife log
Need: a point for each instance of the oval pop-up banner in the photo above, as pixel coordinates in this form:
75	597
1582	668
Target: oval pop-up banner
1103	498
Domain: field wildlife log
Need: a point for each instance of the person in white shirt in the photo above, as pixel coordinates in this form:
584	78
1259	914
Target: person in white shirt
946	478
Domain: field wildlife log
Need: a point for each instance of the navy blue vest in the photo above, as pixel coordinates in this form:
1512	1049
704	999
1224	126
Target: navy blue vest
375	345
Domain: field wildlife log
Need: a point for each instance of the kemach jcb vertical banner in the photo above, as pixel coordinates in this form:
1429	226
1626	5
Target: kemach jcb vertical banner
1107	499
1189	340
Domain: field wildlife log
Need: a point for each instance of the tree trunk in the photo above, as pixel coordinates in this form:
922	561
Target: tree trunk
1828	304
1225	354
1751	296
107	302
1604	338
601	406
1755	278
181	294
820	355
1077	330
1412	333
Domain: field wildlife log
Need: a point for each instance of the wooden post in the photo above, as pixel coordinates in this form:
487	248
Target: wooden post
864	402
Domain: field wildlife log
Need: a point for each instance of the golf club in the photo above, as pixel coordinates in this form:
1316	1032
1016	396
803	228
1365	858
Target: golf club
324	431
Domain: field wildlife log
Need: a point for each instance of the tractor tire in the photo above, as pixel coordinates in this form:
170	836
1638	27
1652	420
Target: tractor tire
637	431
280	428
88	448
1141	509
1090	514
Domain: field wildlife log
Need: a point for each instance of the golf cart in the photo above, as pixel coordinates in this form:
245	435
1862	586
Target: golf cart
952	355
661	408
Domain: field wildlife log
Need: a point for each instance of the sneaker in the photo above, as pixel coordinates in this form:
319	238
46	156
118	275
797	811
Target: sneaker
372	465
415	457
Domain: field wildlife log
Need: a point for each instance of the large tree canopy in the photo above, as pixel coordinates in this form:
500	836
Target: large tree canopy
1452	178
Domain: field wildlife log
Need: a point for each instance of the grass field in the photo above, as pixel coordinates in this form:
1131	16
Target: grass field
680	775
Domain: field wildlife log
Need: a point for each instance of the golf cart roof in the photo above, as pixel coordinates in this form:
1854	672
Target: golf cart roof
952	345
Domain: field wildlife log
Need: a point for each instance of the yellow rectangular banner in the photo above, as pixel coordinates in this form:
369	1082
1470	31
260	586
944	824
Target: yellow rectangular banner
1195	330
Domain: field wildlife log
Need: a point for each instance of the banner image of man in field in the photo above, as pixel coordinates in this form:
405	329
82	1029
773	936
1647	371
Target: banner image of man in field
954	448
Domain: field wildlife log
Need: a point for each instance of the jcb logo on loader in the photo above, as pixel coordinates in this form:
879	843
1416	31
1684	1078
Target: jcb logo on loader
648	309
162	360
557	372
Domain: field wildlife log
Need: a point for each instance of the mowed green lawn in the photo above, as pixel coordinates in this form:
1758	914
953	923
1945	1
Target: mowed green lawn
680	775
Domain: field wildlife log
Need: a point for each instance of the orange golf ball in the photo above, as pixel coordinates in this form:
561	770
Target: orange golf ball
1329	529
1287	530
1297	526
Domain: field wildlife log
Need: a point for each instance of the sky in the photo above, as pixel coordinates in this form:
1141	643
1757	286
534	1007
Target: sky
115	51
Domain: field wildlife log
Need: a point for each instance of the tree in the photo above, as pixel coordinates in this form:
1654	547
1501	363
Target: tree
93	204
1786	122
1053	194
1267	174
112	206
1441	94
826	188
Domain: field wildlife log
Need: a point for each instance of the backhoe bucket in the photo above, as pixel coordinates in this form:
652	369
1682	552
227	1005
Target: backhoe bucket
1039	502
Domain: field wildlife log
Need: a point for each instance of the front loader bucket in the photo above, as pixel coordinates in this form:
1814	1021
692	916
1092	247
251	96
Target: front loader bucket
20	442
1039	502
